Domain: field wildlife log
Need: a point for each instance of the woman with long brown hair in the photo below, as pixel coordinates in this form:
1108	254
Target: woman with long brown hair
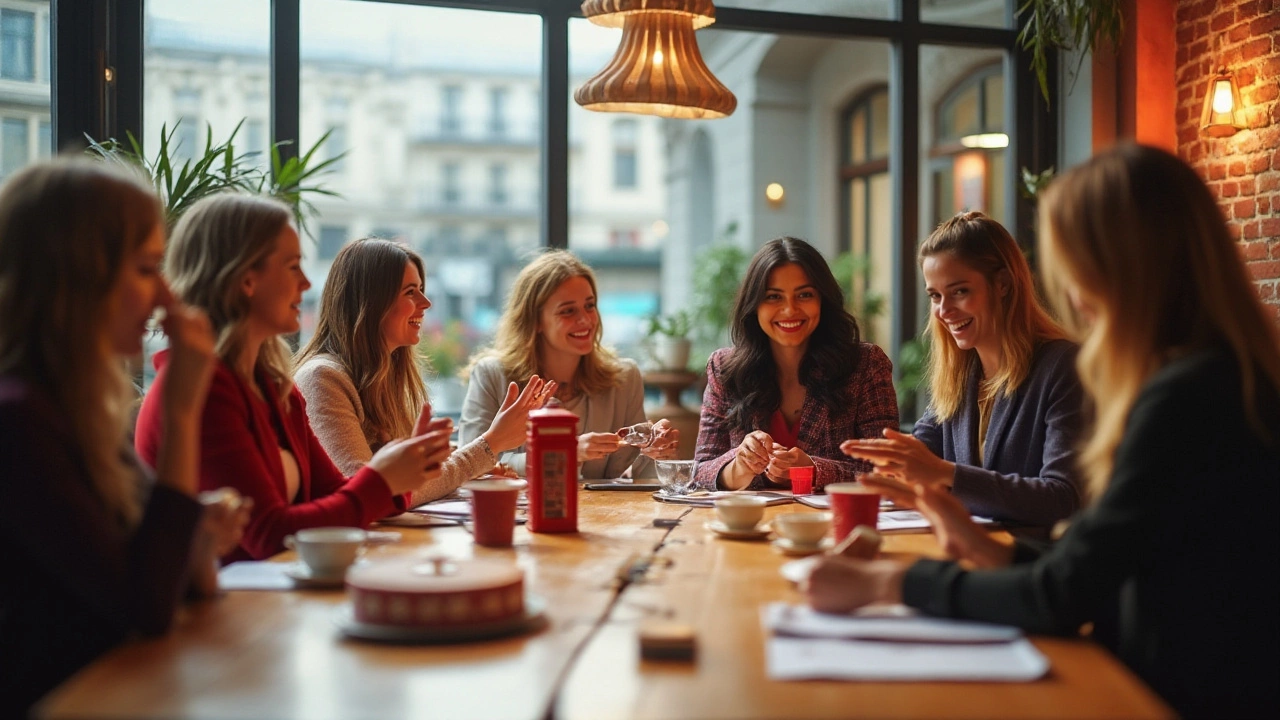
360	372
238	258
96	549
1005	403
1182	365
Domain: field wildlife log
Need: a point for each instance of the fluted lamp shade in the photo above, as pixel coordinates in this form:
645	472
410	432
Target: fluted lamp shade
1223	114
657	69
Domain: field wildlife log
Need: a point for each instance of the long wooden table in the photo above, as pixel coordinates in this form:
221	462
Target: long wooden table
264	654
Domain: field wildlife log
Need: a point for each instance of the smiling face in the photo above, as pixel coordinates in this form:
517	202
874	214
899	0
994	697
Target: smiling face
568	320
275	287
962	300
138	291
790	309
402	325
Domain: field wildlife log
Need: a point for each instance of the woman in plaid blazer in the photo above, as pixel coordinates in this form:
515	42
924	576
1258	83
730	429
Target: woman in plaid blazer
796	382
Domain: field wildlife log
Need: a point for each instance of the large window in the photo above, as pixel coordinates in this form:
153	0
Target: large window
967	158
624	154
864	177
25	132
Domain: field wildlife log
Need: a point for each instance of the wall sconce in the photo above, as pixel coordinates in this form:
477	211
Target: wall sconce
774	193
1223	114
657	69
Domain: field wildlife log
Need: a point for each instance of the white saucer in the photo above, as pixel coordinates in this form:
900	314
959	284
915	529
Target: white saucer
302	577
786	547
758	532
797	571
534	618
381	537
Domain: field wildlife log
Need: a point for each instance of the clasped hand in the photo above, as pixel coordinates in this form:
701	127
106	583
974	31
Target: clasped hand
759	454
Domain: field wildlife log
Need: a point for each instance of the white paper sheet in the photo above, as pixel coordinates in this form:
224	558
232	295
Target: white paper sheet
707	498
255	575
905	658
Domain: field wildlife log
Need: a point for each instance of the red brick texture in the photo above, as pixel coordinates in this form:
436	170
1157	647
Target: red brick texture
1243	171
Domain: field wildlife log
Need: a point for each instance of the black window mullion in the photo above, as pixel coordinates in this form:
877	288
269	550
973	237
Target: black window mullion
555	127
286	81
126	58
79	61
904	170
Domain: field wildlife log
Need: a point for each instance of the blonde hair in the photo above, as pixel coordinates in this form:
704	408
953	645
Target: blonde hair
1136	235
987	247
365	280
515	344
215	243
67	228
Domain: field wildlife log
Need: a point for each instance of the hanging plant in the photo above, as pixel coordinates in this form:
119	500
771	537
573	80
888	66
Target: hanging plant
1066	25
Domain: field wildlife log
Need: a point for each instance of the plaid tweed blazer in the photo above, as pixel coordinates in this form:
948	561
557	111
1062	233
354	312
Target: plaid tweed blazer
872	407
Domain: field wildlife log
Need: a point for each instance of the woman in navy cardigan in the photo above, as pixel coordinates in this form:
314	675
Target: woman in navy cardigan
1182	364
1001	426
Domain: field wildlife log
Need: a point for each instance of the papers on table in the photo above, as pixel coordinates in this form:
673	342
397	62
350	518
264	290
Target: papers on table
707	498
890	520
806	645
255	575
456	511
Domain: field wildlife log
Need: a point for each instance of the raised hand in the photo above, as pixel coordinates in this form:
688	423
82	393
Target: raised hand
666	441
592	446
425	423
902	456
406	465
755	452
507	431
957	533
191	359
782	460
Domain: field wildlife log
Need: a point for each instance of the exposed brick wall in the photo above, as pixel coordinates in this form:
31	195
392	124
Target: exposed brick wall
1243	170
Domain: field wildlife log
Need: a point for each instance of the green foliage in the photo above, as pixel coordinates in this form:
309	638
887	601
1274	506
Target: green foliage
676	325
446	348
1066	25
715	286
867	306
1033	183
219	168
911	365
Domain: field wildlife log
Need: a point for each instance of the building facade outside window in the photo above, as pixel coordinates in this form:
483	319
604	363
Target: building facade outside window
451	109
967	174
624	154
25	130
498	184
17	44
498	111
864	179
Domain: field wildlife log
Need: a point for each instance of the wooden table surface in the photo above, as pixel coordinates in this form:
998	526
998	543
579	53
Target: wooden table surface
265	654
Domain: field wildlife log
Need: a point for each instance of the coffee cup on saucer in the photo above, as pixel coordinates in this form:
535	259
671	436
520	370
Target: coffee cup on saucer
740	513
802	529
327	552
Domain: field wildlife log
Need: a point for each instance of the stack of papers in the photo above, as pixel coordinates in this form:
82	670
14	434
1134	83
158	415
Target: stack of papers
707	498
807	645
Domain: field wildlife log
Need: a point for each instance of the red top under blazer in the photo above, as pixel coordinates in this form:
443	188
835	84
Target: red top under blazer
240	448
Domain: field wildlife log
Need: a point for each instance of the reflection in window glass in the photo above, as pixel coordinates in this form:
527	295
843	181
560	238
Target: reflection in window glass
25	130
866	175
970	86
438	116
882	9
978	13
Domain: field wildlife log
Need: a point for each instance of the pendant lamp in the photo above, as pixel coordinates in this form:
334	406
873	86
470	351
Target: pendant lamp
657	69
1223	114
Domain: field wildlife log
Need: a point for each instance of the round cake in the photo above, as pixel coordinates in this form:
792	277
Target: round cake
435	592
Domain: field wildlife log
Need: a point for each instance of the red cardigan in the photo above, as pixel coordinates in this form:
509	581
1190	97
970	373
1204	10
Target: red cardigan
239	448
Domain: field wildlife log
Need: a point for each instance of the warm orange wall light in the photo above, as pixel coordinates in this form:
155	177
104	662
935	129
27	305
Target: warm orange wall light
1223	114
657	69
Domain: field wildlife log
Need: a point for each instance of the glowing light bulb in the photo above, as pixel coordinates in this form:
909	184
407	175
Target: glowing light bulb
1222	101
774	192
657	56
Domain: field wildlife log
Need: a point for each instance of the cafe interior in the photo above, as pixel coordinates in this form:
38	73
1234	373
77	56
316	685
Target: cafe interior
661	141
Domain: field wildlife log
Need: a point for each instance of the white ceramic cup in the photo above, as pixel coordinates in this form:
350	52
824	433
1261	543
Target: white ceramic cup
740	512
327	551
802	528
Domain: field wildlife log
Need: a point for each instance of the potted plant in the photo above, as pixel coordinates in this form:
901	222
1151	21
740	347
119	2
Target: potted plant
219	168
1066	25
668	338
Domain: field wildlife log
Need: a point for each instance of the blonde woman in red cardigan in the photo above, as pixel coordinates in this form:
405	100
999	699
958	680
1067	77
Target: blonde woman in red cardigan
237	257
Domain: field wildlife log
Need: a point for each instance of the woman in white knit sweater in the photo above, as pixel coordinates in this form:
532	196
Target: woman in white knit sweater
360	372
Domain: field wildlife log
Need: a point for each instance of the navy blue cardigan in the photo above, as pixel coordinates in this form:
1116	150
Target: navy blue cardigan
1028	473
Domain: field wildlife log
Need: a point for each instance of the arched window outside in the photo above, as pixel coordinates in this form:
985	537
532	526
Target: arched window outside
967	159
865	199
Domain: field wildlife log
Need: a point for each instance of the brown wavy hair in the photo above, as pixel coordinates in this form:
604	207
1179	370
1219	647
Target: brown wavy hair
66	229
987	247
363	283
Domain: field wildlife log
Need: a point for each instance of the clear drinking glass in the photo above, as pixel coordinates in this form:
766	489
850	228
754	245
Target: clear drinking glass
676	477
638	435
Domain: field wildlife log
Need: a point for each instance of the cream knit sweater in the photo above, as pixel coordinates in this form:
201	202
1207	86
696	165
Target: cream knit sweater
337	418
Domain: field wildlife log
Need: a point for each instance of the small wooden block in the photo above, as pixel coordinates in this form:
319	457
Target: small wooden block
667	641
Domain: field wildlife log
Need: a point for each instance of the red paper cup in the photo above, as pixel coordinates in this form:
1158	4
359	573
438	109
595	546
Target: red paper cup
493	511
852	504
802	480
